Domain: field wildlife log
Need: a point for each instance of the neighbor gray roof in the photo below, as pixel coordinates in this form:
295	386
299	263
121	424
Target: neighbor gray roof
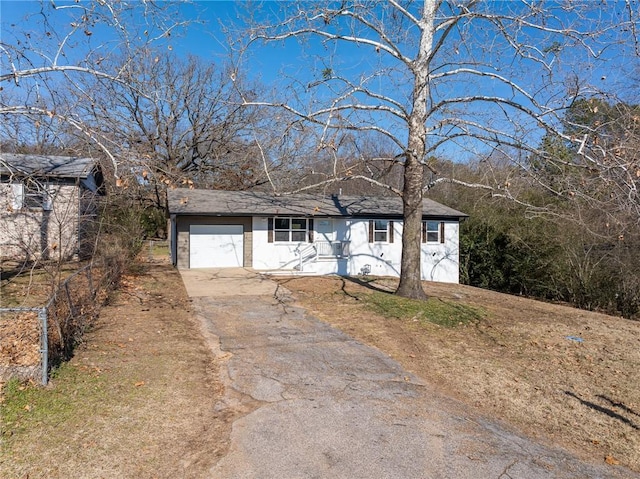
46	165
247	203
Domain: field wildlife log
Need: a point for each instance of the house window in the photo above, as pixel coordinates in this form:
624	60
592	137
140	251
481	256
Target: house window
290	230
380	231
433	231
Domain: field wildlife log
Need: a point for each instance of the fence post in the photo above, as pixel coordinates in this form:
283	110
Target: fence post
72	309
44	350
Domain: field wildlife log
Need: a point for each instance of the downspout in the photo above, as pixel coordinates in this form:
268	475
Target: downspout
173	240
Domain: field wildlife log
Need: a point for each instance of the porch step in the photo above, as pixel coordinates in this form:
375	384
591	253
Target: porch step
288	272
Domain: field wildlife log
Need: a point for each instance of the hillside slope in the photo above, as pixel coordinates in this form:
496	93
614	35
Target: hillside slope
554	372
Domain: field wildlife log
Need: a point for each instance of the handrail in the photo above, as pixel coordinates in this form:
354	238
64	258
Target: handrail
321	249
302	254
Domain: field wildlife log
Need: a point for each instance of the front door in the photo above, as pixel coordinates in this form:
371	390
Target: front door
324	230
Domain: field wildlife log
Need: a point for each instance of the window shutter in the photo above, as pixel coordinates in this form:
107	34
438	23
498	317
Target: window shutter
310	225
370	231
442	232
270	230
390	231
17	196
424	231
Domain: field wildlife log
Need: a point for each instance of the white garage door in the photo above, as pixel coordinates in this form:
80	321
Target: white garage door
215	246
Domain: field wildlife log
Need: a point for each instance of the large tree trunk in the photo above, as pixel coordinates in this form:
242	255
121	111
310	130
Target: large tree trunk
410	281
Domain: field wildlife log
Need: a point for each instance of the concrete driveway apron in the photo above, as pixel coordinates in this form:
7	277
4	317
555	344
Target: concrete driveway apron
321	405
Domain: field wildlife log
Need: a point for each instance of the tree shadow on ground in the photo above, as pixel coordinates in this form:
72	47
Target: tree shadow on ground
618	405
10	269
604	410
365	282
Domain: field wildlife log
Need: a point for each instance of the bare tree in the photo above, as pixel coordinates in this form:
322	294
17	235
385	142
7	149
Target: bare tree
175	122
606	145
47	55
158	119
462	79
44	57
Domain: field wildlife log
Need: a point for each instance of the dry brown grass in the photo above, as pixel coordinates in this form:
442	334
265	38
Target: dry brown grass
31	285
136	400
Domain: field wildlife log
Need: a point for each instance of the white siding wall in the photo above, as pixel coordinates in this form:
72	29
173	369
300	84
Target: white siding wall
267	256
439	260
382	259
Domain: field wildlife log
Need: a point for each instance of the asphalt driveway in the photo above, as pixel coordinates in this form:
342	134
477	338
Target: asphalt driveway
321	405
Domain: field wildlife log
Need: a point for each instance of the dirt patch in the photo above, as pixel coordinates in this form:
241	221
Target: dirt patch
554	372
138	399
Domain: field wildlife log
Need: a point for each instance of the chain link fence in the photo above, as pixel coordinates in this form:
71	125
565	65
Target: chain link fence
35	338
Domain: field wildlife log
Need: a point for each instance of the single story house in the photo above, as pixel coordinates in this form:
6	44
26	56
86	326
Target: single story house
47	205
312	234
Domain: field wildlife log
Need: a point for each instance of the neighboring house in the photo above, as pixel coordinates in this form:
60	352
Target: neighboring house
313	234
47	205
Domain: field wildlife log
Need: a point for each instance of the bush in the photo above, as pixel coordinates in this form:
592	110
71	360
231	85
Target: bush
556	260
154	223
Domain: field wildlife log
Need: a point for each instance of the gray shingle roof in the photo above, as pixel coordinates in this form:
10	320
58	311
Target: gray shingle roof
248	203
46	165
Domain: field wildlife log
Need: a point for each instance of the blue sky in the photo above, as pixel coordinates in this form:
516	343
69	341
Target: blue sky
202	38
205	38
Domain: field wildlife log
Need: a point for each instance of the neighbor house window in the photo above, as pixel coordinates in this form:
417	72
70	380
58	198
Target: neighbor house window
433	231
290	230
34	197
30	195
380	231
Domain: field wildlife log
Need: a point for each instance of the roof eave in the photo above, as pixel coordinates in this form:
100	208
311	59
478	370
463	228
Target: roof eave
394	216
